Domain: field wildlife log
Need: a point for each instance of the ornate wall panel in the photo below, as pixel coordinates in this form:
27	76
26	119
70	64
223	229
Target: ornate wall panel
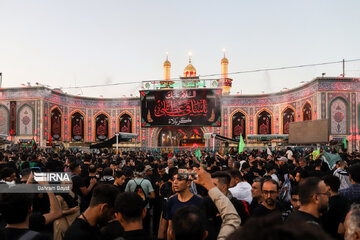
251	120
4	120
323	106
26	121
12	118
338	117
353	121
56	124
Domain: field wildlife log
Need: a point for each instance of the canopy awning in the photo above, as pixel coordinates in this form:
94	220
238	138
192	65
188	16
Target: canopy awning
226	139
121	137
267	137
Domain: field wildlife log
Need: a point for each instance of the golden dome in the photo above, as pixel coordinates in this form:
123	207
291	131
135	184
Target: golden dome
190	71
167	63
190	68
224	60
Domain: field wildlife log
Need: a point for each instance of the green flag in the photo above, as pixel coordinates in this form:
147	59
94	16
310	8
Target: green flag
198	153
316	154
33	144
331	159
344	142
241	144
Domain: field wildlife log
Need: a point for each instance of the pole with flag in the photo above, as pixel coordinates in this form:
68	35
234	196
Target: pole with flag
344	142
241	144
331	159
268	151
198	154
316	154
33	145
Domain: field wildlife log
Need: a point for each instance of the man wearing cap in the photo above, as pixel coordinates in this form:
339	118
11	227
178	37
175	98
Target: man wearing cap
149	174
282	160
146	187
283	164
183	197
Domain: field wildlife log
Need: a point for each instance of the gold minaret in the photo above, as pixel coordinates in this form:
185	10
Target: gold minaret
225	81
224	66
167	66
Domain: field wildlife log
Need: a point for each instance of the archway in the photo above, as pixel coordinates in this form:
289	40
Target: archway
101	127
307	112
288	116
125	123
238	125
264	122
77	127
181	137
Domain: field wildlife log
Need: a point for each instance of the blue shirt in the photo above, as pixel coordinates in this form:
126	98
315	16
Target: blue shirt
173	204
351	194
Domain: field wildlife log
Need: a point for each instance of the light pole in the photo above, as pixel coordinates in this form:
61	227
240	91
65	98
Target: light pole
214	135
117	143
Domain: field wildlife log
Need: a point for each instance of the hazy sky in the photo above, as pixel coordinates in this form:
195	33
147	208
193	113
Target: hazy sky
79	43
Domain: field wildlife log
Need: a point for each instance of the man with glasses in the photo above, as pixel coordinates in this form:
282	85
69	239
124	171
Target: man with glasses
183	197
270	193
314	199
338	208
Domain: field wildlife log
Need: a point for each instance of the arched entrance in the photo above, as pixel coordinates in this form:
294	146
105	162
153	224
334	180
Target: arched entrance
181	137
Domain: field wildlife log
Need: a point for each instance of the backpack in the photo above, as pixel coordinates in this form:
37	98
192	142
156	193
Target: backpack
140	191
285	190
29	235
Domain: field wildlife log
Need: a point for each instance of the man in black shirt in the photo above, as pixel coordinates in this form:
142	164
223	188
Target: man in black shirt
16	209
314	198
130	213
222	181
270	193
338	207
79	187
317	171
100	211
119	180
256	194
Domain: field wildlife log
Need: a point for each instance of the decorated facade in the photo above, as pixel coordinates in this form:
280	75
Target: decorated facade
52	116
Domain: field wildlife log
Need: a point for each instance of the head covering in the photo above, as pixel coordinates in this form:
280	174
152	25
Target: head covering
148	168
283	159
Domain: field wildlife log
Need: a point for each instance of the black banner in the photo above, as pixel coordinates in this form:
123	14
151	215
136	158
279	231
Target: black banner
183	107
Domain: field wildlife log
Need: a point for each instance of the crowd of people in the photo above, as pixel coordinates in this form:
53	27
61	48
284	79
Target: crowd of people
285	194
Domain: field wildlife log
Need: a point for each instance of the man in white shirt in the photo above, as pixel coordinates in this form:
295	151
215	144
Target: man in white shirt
289	153
342	174
242	189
